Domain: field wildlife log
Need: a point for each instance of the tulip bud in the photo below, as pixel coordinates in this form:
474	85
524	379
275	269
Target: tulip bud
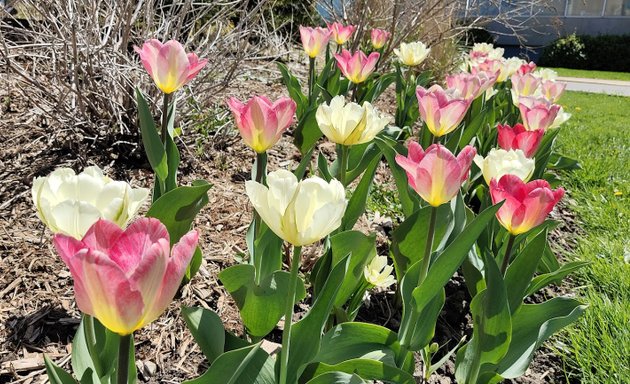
314	40
442	110
341	33
69	204
168	64
126	279
379	37
500	162
436	174
412	54
358	67
526	205
378	273
518	137
349	124
261	122
300	213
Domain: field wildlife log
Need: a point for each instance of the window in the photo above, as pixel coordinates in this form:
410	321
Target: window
585	7
617	8
551	8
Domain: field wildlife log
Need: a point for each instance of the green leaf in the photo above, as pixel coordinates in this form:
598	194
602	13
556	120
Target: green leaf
239	366
451	258
56	375
366	369
294	88
153	146
543	280
177	209
261	306
543	154
207	329
557	162
360	249
304	164
307	132
268	247
337	378
532	325
379	86
306	334
492	327
521	271
359	158
322	167
358	200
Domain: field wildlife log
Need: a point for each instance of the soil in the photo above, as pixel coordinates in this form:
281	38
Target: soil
38	313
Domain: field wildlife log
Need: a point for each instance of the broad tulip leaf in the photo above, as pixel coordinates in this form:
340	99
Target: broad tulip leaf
532	325
367	369
151	141
268	246
207	329
322	167
360	249
521	271
451	258
543	153
304	164
358	200
359	158
307	132
380	84
294	88
543	280
492	327
557	162
56	374
239	366
337	378
261	306
306	334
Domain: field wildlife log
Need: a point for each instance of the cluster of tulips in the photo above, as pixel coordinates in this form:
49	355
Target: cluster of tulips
468	206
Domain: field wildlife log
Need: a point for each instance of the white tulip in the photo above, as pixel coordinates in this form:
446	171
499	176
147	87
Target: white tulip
349	124
378	273
511	66
560	119
546	74
500	162
69	203
412	54
298	212
488	50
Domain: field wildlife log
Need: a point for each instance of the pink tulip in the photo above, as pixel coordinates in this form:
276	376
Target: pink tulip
379	38
126	279
436	174
537	113
526	205
552	90
358	67
527	68
341	33
314	40
524	85
442	110
470	86
261	122
518	137
168	64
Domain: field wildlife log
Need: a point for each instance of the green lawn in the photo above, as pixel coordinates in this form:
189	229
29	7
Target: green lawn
605	75
598	346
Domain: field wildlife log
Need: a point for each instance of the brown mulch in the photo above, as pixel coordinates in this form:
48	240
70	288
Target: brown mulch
38	313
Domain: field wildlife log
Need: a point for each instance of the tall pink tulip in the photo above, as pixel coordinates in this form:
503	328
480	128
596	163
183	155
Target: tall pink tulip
358	67
470	86
552	90
527	68
126	279
518	137
261	122
537	113
442	110
436	174
378	38
341	33
524	85
168	64
314	40
526	205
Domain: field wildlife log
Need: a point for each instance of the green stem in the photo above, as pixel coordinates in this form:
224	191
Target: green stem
165	104
260	176
123	358
343	164
288	314
90	335
429	247
311	79
355	93
508	253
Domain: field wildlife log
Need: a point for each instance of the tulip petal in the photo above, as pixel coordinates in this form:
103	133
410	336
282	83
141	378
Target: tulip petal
128	251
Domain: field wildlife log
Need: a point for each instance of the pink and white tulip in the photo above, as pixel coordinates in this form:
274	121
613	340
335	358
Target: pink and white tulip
518	137
552	90
260	121
436	174
314	40
524	86
526	68
526	204
537	113
379	37
471	86
126	279
442	110
168	64
341	33
358	67
482	51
